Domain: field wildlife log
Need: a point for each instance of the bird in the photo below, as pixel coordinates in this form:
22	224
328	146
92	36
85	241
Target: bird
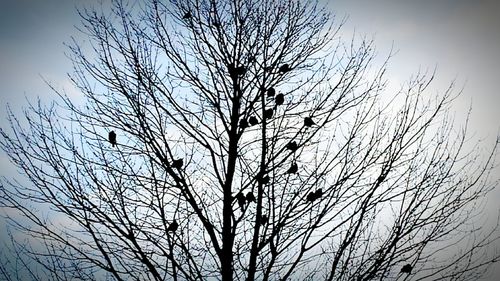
253	121
241	200
251	59
112	138
308	122
279	99
173	226
187	15
263	219
314	195
293	169
319	193
240	70
177	163
284	68
406	268
264	180
292	146
271	92
235	72
243	123
311	196
268	113
250	197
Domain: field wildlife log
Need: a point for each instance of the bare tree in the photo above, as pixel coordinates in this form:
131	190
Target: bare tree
243	140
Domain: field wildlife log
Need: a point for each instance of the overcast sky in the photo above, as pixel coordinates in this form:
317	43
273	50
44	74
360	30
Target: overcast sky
459	37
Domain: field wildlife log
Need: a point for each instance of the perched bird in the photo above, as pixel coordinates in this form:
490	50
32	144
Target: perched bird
268	113
314	195
112	138
292	146
253	121
284	68
240	70
293	168
243	123
319	193
263	219
173	226
406	268
264	180
279	99
271	92
241	200
308	122
177	164
311	196
187	16
236	71
250	197
251	59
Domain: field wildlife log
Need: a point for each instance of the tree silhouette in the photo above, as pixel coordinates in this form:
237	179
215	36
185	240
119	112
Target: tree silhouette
213	100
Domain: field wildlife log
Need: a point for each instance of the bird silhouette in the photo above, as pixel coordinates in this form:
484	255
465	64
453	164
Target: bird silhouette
173	226
268	113
241	200
264	179
292	146
112	138
284	68
308	122
235	72
187	16
253	121
263	219
240	70
250	197
271	92
279	99
293	168
319	193
406	268
243	123
177	164
311	196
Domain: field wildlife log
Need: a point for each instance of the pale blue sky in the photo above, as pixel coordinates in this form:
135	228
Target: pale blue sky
461	38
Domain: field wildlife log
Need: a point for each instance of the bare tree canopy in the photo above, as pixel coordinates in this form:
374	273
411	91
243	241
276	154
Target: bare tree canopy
244	140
